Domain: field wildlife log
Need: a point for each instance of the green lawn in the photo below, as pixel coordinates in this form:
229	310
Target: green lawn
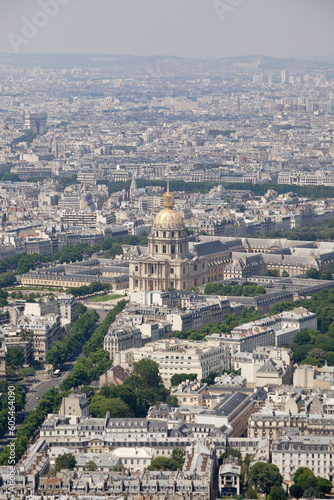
104	298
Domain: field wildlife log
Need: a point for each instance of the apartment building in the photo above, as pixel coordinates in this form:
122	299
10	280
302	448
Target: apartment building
271	423
279	330
46	330
264	366
316	452
120	339
179	356
64	305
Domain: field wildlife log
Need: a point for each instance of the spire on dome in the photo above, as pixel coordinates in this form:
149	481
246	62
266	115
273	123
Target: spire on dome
168	198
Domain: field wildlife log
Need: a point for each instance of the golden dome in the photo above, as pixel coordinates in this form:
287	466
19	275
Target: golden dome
168	218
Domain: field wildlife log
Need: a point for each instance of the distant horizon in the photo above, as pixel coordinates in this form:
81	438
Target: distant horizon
172	56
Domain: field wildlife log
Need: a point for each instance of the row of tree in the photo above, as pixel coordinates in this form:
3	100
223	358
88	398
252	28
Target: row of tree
19	264
93	287
50	403
234	289
313	232
313	192
85	371
96	340
314	274
78	332
19	403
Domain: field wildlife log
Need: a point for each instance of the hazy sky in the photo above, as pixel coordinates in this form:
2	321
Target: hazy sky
188	28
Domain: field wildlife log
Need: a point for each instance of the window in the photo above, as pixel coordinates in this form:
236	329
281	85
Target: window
156	248
164	234
164	249
172	234
181	248
136	268
157	233
184	270
173	249
172	270
195	267
136	282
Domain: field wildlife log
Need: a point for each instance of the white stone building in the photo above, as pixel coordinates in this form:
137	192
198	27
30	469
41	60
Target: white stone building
180	356
313	452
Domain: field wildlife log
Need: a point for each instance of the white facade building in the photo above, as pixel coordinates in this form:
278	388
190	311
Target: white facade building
180	356
313	452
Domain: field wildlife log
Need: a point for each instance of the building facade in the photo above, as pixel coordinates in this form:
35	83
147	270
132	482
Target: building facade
169	264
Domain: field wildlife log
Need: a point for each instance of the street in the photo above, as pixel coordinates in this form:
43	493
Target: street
43	387
37	391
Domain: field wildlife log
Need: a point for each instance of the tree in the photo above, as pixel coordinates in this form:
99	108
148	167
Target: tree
116	406
163	463
27	372
304	337
90	466
296	491
15	358
88	391
312	273
148	372
324	485
309	493
251	493
66	461
56	355
277	493
271	272
317	354
178	455
210	379
7	279
326	275
264	476
285	274
178	378
172	401
231	452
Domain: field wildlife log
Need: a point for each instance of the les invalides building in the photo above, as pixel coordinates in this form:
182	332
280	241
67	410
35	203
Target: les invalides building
168	263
